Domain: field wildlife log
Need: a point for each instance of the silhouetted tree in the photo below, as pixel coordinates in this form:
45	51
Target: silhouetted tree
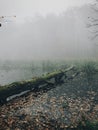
93	21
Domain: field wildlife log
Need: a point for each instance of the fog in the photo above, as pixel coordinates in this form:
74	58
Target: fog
58	32
32	7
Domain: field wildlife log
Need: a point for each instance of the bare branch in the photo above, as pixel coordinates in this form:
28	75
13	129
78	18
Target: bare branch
94	7
96	10
95	24
95	32
94	20
92	25
95	36
88	25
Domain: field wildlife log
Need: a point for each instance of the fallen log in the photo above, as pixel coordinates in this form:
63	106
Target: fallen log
32	85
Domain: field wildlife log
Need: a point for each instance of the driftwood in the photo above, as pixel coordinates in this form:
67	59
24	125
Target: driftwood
35	84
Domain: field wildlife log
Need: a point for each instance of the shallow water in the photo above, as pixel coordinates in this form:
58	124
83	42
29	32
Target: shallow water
12	71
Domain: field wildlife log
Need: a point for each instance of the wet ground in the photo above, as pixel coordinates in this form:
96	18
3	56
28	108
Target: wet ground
57	109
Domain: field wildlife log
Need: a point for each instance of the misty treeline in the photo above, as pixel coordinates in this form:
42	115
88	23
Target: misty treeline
63	36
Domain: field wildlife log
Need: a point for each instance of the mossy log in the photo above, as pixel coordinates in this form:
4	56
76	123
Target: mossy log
33	84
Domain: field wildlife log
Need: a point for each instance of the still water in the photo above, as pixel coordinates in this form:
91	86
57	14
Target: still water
11	71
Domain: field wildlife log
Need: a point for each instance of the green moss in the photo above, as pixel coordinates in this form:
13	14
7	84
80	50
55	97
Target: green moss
17	87
53	74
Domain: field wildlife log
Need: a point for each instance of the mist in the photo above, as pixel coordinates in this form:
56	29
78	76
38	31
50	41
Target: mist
52	36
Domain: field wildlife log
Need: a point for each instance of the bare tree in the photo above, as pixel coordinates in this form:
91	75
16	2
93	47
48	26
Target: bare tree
93	21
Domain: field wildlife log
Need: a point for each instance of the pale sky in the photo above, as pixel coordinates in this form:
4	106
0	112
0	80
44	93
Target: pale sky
32	7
